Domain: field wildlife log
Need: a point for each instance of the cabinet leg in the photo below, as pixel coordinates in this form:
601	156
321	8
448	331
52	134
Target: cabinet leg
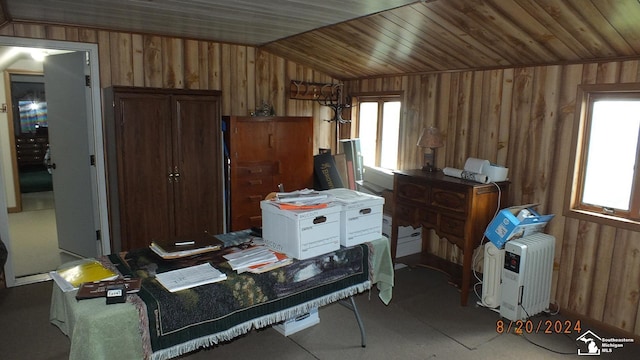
466	275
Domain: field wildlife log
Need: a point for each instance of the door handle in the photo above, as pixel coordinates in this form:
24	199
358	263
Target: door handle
176	174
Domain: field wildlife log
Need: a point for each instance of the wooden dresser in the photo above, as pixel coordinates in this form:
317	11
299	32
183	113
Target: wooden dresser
458	210
263	153
31	148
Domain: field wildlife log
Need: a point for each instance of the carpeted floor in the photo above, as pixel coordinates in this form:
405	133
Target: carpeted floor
423	321
34	235
35	179
34	242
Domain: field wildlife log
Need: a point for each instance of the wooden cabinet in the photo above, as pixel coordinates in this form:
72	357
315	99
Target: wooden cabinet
458	210
164	152
263	153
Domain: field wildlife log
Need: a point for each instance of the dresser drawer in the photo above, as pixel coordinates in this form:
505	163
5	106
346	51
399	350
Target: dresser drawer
261	185
29	158
246	221
412	192
451	225
406	214
23	152
428	217
449	200
29	146
259	169
248	205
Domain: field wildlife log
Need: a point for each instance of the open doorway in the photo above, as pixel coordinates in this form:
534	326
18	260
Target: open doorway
93	135
32	224
27	113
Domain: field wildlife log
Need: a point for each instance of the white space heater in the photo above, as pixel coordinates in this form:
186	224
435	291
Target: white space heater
491	272
526	276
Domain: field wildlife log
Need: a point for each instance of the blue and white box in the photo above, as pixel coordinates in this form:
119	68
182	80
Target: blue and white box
514	223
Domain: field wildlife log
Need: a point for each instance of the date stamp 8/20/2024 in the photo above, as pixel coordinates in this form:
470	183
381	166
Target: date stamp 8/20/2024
538	327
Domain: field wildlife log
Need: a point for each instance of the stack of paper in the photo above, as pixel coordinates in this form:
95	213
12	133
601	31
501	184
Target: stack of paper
301	200
179	248
257	259
192	276
70	276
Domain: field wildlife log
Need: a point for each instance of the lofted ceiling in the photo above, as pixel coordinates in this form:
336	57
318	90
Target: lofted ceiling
350	39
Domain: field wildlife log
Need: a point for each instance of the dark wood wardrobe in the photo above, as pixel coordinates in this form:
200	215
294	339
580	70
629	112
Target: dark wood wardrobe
164	163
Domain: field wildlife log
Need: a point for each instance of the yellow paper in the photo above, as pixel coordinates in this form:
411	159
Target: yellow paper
88	271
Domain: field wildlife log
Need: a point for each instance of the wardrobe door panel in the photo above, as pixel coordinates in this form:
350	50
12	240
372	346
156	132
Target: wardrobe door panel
198	181
144	154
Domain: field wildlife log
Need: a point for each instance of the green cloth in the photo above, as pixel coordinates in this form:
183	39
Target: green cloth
95	329
383	269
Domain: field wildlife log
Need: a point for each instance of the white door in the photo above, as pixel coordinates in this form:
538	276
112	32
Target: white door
68	106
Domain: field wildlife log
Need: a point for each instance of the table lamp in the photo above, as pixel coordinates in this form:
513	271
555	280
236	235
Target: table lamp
432	139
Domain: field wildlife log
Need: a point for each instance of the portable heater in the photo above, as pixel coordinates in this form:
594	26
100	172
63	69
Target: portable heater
526	276
491	272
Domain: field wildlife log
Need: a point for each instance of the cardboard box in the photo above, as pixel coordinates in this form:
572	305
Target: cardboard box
408	245
409	238
404	232
296	324
301	234
514	223
361	216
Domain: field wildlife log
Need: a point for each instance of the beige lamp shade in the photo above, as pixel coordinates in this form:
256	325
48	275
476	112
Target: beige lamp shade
430	138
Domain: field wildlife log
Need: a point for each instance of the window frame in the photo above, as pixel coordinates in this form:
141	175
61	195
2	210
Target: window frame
380	98
574	208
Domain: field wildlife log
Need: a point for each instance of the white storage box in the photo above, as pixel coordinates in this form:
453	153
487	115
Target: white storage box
361	216
301	234
409	245
296	324
403	231
409	238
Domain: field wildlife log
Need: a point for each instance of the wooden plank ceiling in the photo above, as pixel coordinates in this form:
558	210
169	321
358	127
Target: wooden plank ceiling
356	39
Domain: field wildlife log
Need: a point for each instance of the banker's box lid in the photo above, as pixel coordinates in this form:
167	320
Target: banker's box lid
506	224
511	214
272	207
352	198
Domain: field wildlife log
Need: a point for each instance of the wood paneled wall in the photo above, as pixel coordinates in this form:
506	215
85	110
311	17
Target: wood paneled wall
523	118
245	75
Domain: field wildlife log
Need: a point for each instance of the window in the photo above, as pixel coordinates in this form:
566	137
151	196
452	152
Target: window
378	129
605	185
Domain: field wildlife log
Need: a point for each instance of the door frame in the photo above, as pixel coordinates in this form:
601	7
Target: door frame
96	143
